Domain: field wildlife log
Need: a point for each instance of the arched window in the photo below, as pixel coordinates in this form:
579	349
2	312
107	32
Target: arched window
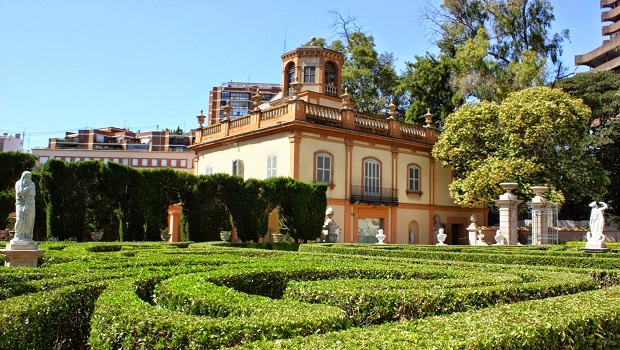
272	165
323	172
372	178
413	178
209	170
290	76
331	79
237	167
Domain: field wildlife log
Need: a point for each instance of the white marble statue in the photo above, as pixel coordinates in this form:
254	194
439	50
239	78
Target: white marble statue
597	222
331	229
24	207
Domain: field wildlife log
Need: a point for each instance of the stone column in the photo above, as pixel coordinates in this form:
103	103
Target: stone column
174	222
539	215
472	229
508	212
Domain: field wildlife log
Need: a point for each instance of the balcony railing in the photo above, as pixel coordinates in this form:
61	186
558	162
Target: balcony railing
298	109
374	195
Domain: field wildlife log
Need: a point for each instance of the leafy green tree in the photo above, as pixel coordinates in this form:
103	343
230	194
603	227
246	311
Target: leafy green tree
425	84
498	46
601	92
369	77
534	137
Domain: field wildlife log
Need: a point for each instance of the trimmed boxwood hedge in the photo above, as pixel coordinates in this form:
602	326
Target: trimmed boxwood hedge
209	295
588	320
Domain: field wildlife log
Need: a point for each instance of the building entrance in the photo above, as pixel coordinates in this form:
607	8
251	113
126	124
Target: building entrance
367	229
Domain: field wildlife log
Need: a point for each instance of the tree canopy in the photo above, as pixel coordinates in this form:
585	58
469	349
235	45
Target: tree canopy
368	76
601	92
536	136
497	46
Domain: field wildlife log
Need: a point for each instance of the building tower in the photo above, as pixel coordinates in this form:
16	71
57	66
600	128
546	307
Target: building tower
315	68
606	56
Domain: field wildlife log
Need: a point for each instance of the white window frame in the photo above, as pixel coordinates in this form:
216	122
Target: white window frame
413	178
323	172
272	166
372	178
237	167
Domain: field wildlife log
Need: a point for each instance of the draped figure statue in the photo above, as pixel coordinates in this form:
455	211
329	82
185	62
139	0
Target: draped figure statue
24	207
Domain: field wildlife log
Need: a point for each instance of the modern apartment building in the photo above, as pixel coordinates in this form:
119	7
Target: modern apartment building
606	56
380	172
239	96
151	149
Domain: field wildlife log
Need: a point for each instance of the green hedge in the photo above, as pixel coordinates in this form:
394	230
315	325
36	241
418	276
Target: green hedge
512	256
122	320
586	320
368	302
57	319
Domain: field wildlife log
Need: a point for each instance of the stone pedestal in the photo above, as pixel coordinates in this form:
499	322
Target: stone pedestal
472	229
508	213
22	253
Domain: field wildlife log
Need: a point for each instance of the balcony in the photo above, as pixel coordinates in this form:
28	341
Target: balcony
374	196
298	109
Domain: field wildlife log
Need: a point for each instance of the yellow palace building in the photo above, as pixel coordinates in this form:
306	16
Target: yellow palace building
380	171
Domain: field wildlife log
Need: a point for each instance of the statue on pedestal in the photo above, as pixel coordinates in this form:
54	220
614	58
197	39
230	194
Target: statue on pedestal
22	250
25	192
595	237
331	229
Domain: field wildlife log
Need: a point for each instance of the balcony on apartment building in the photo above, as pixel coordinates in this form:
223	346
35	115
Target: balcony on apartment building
64	143
374	195
298	109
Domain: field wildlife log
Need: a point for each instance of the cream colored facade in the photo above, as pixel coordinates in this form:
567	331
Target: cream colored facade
183	161
381	172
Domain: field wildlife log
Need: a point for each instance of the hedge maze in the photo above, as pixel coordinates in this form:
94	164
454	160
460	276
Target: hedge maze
321	296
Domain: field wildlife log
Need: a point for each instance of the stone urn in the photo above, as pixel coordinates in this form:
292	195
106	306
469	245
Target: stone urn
225	236
96	235
441	237
380	236
508	186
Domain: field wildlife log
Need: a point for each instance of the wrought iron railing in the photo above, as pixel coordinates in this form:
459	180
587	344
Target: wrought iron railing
374	195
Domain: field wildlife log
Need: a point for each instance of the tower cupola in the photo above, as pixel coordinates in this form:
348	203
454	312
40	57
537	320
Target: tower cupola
316	68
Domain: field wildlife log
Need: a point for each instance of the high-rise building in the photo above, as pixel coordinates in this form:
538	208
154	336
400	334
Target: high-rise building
239	97
606	56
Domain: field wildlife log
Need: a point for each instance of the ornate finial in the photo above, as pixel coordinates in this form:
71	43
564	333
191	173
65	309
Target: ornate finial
392	110
429	119
313	41
201	118
227	110
346	99
257	98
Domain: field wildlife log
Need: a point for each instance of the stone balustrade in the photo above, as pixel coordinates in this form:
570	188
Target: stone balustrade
300	110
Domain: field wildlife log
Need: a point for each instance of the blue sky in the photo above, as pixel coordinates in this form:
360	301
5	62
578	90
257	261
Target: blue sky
72	64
